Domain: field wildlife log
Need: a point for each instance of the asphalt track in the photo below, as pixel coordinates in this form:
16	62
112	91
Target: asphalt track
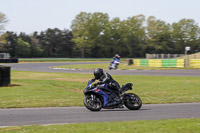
45	67
64	115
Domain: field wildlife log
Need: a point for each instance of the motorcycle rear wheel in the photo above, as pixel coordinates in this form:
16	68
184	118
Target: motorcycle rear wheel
93	102
133	102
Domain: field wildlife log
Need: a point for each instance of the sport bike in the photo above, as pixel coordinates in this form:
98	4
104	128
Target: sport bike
113	64
98	97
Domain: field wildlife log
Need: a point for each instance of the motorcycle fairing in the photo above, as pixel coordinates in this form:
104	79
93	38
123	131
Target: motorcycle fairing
103	95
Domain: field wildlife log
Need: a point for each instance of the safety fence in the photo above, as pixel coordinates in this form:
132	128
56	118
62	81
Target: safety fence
195	63
163	56
9	60
160	62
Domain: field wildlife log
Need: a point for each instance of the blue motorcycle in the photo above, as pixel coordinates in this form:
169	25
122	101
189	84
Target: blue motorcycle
98	97
114	64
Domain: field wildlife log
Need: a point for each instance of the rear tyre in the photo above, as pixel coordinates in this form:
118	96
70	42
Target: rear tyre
93	102
133	102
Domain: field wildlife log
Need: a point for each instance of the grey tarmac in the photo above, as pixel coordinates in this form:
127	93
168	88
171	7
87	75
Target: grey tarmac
66	115
46	67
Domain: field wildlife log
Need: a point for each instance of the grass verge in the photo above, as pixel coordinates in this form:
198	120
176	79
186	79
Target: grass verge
145	126
40	89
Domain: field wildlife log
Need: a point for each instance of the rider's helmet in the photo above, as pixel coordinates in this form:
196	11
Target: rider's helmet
117	56
98	73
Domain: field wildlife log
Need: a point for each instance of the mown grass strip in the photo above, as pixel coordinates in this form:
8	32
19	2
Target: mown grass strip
145	126
40	89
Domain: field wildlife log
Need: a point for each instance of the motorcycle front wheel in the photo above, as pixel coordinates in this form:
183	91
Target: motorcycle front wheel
133	102
93	102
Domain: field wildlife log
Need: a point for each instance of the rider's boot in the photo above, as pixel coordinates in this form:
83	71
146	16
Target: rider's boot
115	101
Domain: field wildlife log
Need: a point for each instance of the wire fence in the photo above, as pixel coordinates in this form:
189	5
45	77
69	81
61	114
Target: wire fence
163	56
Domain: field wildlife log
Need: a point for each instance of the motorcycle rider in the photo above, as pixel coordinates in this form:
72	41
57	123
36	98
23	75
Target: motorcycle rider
116	58
115	62
105	78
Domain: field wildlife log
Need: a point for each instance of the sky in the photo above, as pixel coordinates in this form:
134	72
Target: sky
39	15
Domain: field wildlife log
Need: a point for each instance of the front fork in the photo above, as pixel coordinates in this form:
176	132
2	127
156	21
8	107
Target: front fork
92	96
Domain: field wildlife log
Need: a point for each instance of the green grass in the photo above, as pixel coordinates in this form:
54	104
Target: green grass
123	66
40	89
145	126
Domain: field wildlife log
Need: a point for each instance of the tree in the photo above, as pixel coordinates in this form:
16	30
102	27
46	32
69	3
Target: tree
96	28
80	31
185	33
133	36
23	48
56	43
66	46
94	35
87	31
159	36
49	41
3	41
35	47
10	43
3	20
112	37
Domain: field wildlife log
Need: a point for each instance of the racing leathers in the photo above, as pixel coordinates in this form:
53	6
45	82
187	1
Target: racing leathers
107	79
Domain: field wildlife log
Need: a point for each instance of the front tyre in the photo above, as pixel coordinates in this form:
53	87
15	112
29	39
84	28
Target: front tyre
116	67
93	102
133	102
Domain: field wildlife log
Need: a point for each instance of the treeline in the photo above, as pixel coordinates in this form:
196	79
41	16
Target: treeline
50	43
96	35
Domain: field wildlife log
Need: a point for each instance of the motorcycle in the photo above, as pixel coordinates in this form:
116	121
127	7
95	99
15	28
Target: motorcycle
98	97
113	64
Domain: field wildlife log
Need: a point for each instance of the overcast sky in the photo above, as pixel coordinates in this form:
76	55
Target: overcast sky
38	15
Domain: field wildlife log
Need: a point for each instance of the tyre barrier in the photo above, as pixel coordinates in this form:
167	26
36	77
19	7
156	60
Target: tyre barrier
10	60
195	63
130	61
4	75
160	62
